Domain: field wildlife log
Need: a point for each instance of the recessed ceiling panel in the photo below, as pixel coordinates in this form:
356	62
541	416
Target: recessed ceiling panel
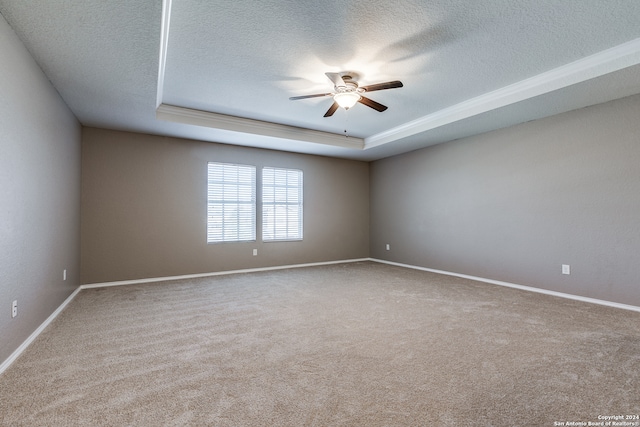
247	58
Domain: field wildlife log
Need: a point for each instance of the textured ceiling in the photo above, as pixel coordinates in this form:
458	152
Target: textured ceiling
223	71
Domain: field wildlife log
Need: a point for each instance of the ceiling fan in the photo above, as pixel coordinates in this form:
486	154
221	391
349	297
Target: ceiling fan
347	92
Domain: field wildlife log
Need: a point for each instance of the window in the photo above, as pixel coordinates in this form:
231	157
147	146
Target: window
231	203
281	204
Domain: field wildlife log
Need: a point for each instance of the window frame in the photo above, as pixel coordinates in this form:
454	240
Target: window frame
286	191
245	175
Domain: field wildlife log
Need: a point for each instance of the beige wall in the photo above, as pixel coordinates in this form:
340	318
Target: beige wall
144	208
515	204
39	195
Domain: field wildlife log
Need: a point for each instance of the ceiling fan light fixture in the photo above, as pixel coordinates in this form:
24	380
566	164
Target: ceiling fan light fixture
346	99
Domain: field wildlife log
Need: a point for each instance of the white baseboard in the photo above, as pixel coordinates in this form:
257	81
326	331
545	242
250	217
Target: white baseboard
217	273
37	332
516	286
53	315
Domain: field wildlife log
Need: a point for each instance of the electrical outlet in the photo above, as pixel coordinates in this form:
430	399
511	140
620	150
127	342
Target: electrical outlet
14	308
64	274
255	252
566	269
388	247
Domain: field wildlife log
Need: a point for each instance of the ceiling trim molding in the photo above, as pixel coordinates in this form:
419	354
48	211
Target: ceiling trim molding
164	46
190	116
601	63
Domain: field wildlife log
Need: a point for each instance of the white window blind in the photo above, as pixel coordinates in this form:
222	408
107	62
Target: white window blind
231	203
281	204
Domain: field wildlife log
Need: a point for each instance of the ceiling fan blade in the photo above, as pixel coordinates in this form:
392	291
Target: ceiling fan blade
293	98
380	86
331	109
373	104
336	78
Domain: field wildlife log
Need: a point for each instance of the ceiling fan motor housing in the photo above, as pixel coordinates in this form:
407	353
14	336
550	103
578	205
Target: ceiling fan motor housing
349	85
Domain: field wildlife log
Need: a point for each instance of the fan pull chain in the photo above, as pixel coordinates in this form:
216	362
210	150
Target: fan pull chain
346	122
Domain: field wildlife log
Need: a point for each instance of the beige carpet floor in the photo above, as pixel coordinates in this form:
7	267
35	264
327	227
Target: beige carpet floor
362	344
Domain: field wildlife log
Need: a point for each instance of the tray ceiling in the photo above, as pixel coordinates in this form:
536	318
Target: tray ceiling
223	71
